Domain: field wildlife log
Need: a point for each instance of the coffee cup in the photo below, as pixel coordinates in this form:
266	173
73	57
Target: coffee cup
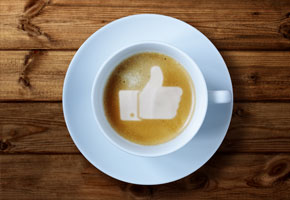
136	105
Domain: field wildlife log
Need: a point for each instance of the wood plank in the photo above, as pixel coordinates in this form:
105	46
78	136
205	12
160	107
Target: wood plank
40	128
225	176
34	128
63	24
259	75
33	75
39	75
259	127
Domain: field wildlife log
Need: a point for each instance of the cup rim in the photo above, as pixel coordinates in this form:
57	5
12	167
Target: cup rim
174	148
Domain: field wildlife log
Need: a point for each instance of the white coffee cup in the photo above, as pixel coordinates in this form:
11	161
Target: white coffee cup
202	97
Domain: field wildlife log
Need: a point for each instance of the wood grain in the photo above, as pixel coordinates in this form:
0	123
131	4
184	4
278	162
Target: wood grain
39	75
225	176
33	75
34	128
38	159
259	127
63	24
40	128
259	75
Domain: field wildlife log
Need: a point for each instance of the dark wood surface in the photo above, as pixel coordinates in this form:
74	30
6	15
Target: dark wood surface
38	159
59	176
37	75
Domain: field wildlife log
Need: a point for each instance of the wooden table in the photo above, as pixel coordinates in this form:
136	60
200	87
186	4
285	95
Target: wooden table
38	159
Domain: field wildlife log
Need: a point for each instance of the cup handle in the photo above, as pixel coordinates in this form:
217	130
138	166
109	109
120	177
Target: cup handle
219	96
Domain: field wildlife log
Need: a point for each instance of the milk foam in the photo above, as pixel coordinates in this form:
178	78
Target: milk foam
153	102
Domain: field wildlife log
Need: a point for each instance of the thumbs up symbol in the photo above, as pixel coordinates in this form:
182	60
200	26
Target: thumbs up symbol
153	102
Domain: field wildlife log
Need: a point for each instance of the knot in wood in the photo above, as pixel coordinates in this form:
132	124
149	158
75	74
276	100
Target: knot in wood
276	172
253	77
24	81
284	27
280	168
140	191
239	112
3	145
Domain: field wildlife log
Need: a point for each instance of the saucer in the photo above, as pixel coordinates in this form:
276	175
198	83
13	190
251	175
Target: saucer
78	111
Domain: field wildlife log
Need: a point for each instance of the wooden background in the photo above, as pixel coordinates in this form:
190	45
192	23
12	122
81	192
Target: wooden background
38	159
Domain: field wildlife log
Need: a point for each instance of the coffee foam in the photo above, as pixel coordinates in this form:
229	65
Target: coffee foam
129	79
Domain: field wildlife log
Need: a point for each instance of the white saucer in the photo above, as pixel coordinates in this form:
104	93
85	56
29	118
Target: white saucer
81	122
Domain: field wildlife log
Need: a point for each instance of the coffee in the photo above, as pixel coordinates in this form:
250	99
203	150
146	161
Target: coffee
149	98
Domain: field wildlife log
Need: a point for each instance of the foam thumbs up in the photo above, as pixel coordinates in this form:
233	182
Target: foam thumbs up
156	79
156	101
153	102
